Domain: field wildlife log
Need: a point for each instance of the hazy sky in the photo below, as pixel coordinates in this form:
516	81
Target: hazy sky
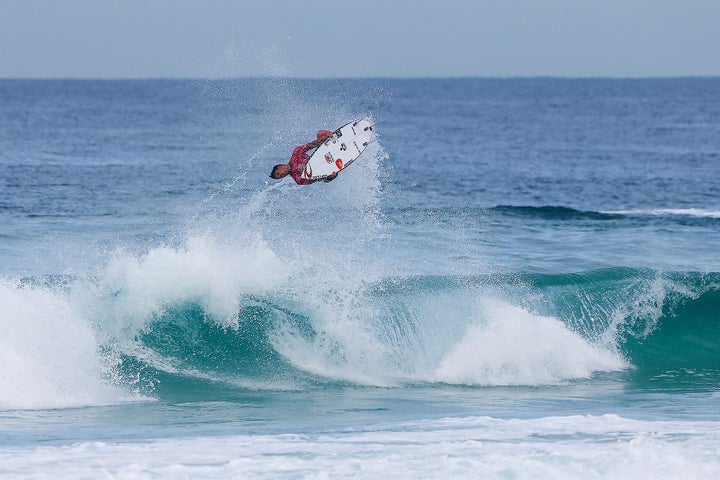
365	38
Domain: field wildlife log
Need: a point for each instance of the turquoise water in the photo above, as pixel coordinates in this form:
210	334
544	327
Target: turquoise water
519	279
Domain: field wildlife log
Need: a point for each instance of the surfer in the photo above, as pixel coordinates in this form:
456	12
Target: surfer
299	158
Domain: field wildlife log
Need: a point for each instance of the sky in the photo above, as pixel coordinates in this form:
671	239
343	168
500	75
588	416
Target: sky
358	38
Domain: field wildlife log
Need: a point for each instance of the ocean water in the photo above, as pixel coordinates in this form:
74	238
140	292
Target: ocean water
520	278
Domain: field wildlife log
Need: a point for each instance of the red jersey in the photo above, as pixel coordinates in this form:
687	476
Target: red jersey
298	160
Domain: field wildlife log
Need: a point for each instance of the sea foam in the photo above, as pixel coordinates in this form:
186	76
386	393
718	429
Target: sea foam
570	447
512	346
49	355
137	287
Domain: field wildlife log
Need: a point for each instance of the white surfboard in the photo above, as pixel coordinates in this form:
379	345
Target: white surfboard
340	150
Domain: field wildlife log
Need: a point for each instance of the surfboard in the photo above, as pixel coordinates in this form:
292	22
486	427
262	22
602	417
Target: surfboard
339	151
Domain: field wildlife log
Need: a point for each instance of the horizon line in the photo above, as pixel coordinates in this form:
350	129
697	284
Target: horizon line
389	77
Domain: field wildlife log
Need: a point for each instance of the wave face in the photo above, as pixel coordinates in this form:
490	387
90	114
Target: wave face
494	330
664	324
179	326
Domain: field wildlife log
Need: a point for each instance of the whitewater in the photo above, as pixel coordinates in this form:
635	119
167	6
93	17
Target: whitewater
549	309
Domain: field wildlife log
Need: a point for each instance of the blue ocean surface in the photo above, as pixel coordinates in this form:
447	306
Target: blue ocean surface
520	278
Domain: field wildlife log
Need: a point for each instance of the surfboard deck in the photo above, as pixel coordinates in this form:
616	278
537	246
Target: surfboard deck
339	151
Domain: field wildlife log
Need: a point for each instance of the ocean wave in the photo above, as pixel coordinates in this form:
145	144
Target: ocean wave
520	329
559	212
174	322
682	212
553	212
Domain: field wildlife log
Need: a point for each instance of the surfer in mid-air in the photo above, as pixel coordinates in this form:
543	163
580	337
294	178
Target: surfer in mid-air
299	159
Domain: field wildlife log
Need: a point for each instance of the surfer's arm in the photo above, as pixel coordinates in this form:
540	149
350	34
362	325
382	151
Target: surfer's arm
330	178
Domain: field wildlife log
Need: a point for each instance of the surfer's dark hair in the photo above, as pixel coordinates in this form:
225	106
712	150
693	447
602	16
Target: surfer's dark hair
274	171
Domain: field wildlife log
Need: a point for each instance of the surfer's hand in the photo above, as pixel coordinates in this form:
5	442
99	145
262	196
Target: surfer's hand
323	135
330	178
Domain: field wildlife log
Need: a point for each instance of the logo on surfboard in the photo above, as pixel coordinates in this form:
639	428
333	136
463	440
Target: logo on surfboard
328	157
